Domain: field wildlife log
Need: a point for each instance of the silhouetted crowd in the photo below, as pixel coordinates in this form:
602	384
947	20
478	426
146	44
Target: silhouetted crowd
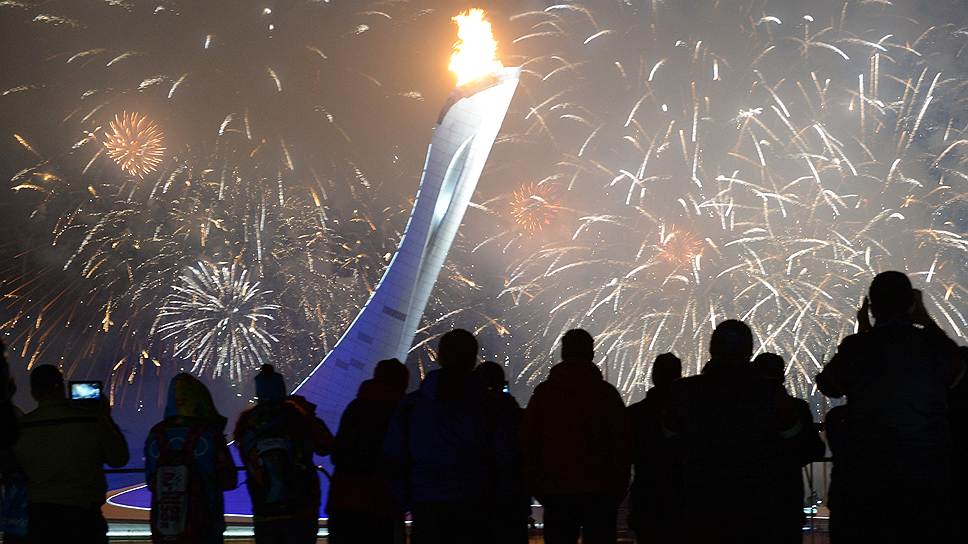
711	458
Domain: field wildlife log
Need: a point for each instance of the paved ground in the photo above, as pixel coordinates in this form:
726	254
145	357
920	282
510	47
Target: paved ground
239	535
807	539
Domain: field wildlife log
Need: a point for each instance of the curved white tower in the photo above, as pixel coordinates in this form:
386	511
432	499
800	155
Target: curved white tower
386	325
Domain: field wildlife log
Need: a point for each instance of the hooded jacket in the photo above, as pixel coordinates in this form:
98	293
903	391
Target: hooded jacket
190	407
576	435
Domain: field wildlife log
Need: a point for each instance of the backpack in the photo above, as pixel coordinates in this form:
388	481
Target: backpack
277	464
180	512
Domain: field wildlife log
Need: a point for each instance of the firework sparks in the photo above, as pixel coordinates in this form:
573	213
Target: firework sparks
534	207
245	182
135	143
734	186
219	320
678	247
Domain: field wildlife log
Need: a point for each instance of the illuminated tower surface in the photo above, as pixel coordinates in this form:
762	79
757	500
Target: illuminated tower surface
387	324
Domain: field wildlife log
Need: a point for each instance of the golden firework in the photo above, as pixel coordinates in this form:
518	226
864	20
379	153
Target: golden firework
534	206
678	247
135	143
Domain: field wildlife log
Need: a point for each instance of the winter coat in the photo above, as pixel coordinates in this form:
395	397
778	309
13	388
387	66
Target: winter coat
576	435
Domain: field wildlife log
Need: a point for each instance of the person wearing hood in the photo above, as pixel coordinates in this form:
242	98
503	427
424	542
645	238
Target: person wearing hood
361	508
440	450
277	439
736	429
577	447
188	445
655	504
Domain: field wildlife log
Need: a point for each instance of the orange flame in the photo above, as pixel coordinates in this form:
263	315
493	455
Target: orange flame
475	53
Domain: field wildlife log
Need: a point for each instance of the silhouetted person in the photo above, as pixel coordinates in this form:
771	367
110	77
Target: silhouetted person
656	496
509	505
804	447
440	451
835	430
277	439
958	417
13	482
577	447
63	448
188	466
9	415
361	506
735	429
894	470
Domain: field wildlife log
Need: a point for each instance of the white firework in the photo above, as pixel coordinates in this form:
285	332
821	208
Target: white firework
219	320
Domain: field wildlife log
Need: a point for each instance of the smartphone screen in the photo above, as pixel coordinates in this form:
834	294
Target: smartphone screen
506	389
85	390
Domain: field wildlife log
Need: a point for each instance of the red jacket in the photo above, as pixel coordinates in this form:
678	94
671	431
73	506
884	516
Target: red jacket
576	434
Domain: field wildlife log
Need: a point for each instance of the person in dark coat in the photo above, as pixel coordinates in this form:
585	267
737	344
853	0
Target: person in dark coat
735	429
804	448
13	481
894	469
9	414
656	495
509	505
361	507
958	417
440	450
577	447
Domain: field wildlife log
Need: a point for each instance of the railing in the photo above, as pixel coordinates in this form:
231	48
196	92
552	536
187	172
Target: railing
816	479
140	470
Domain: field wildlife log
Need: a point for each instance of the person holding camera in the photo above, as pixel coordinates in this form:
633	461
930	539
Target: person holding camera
893	455
63	448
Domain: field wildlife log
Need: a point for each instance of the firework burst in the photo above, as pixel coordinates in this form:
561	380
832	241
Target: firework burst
261	170
534	207
738	163
135	143
219	320
678	247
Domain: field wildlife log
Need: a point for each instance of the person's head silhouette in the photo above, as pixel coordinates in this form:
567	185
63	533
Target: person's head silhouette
770	366
393	374
666	369
457	350
732	341
269	385
891	296
577	346
489	376
47	383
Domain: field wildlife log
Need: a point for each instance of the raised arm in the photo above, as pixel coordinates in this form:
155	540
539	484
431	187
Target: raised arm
114	448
